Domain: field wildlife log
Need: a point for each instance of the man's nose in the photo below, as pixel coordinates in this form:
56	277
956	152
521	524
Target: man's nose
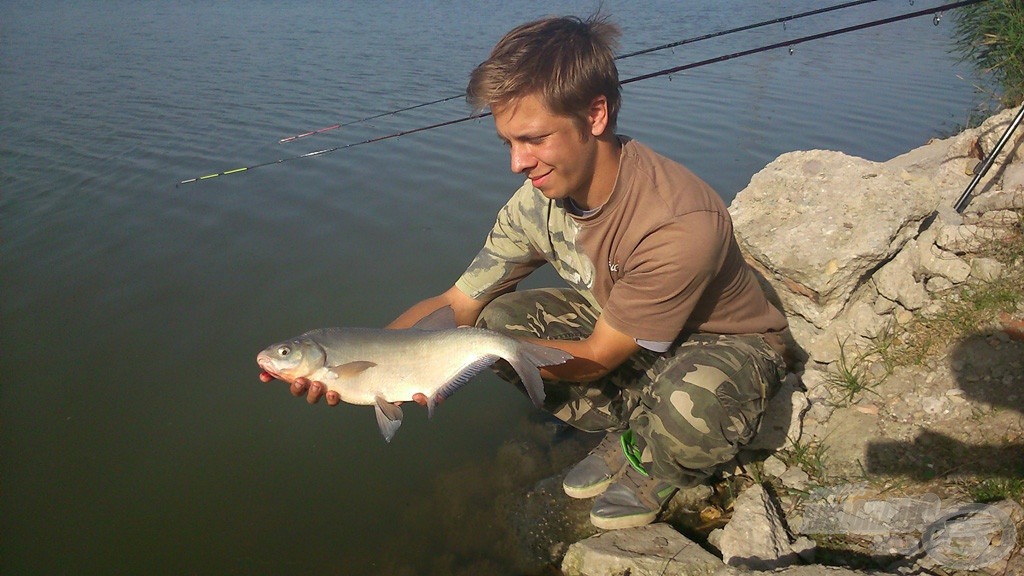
522	160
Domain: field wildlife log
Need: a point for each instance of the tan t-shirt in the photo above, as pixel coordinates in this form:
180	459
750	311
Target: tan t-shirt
659	258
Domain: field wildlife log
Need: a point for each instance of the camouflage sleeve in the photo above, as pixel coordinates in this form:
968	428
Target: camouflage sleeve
508	254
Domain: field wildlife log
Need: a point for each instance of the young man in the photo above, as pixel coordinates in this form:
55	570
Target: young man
676	349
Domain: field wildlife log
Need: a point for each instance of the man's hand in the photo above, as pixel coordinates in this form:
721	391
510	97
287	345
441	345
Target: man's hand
314	391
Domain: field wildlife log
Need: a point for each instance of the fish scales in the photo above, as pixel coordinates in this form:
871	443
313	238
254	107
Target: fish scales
406	361
378	367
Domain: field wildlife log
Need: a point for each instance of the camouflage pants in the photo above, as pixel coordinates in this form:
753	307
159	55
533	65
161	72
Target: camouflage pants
692	407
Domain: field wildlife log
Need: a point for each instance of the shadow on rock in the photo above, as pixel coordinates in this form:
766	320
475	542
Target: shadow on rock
989	375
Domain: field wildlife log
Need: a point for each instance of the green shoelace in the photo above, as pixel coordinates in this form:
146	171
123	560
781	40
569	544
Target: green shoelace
632	452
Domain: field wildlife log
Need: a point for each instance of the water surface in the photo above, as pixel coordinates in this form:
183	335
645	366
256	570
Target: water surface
136	436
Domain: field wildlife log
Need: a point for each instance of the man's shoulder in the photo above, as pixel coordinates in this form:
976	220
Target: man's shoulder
670	182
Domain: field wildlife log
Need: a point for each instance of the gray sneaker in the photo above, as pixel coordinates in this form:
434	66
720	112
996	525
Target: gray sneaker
594	473
633	500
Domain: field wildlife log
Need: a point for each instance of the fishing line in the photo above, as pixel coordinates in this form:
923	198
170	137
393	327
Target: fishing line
695	39
664	72
803	39
368	118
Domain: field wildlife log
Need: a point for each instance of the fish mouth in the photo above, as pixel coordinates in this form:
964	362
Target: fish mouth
266	365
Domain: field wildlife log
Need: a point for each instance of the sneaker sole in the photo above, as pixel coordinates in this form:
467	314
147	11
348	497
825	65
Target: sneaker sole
582	492
621	522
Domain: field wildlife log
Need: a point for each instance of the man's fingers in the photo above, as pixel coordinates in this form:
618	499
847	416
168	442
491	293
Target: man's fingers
421	399
332	398
299	387
316	391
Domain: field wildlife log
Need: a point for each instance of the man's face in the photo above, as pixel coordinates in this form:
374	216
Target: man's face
551	150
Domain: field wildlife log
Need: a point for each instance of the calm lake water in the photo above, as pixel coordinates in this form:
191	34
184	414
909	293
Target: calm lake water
136	437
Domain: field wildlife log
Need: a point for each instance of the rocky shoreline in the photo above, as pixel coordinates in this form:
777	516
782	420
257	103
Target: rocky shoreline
879	448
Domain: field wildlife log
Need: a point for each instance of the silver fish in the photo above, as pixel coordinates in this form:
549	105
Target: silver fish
377	367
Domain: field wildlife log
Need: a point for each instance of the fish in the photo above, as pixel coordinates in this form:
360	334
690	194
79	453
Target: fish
378	367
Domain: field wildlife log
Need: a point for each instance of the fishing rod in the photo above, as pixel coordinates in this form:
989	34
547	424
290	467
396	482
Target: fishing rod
368	118
667	71
781	20
961	202
790	43
692	40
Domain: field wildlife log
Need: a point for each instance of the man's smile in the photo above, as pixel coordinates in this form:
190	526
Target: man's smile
539	179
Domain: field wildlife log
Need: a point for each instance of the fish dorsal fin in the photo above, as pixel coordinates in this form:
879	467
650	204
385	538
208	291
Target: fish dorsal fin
441	319
389	417
351	369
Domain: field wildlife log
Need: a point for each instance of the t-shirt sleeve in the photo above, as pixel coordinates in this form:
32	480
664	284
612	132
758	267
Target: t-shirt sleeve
507	256
666	277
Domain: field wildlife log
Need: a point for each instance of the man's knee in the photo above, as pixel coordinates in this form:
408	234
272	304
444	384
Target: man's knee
700	412
540	313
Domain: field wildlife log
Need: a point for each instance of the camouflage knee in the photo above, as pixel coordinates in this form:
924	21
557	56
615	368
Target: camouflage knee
547	313
704	401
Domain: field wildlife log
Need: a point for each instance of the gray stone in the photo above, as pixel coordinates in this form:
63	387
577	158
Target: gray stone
938	262
805	548
883	305
715	538
795	478
774	467
864	322
966	237
895	281
646	551
937	285
848	215
902	315
995	219
1011	197
755	537
986	269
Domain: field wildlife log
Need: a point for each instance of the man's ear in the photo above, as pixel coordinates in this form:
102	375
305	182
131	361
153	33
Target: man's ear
597	115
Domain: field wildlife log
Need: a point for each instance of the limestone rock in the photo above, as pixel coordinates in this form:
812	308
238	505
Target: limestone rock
986	269
937	285
755	537
895	280
1010	197
864	322
938	262
645	551
774	467
847	215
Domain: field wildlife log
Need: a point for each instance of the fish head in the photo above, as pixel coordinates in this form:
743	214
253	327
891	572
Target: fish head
291	359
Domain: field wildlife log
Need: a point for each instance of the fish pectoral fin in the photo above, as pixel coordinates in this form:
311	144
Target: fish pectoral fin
389	417
351	369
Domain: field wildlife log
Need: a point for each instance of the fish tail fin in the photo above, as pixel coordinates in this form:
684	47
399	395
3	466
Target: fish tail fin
528	358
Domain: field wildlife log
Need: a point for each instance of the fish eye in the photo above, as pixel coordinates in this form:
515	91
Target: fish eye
284	351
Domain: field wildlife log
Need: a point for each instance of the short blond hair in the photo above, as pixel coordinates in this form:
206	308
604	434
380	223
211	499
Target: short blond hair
566	61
